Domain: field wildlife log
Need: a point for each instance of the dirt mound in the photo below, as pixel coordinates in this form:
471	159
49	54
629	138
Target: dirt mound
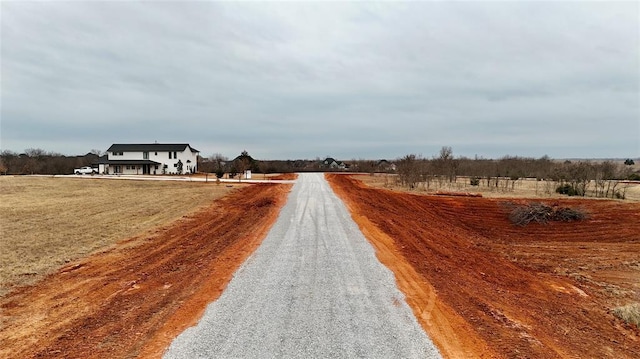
483	287
134	299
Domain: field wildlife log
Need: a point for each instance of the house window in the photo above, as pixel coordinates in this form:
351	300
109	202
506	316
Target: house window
169	155
145	155
156	153
118	153
175	155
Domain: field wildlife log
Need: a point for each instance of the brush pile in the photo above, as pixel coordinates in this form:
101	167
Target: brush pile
522	215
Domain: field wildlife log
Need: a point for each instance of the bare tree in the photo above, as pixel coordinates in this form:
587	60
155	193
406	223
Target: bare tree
3	167
408	170
35	152
446	165
603	174
219	161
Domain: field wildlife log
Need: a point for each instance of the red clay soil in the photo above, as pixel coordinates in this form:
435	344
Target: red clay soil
132	300
285	176
483	287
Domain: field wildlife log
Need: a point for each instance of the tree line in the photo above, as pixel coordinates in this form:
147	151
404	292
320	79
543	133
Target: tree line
576	178
579	178
217	163
38	161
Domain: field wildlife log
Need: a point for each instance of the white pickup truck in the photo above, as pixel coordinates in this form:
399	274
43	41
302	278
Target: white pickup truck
86	170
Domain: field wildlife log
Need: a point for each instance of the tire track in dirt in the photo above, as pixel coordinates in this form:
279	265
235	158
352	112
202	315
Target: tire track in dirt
133	299
498	283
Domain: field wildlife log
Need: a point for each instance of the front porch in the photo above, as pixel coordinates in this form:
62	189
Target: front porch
132	167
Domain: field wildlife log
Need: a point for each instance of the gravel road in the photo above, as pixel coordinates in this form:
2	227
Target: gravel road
313	289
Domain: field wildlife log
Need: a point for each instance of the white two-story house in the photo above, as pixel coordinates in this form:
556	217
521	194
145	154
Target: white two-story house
154	158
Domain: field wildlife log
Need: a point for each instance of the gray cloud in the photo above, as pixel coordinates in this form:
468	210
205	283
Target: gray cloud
300	80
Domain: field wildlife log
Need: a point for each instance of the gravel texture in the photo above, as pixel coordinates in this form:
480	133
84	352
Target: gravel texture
313	289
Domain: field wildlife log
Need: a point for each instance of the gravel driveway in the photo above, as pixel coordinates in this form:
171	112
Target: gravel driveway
313	289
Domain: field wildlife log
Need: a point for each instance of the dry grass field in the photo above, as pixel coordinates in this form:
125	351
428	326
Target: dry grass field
131	299
46	222
522	188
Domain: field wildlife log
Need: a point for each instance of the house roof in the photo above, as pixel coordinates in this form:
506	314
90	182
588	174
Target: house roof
151	147
103	159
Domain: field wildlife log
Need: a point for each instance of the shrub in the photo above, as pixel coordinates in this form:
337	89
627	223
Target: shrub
474	181
630	313
522	215
634	177
567	189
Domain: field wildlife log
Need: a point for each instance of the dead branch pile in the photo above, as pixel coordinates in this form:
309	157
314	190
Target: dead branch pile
542	213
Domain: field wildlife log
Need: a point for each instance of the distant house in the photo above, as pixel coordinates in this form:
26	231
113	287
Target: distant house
154	158
333	164
385	165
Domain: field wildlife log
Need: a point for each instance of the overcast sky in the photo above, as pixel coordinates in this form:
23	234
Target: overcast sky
351	80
